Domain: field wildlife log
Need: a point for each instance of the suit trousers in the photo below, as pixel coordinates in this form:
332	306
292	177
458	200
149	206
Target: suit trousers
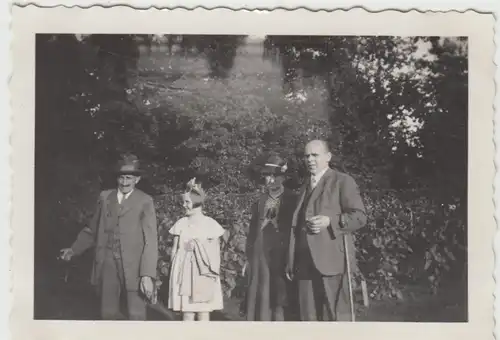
324	298
113	291
320	297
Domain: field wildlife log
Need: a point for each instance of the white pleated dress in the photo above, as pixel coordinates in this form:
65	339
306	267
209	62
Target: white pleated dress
206	231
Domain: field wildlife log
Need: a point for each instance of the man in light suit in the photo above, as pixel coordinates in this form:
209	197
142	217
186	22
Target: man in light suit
329	206
123	232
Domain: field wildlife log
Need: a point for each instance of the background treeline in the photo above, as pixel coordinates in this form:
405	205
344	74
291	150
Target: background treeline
396	118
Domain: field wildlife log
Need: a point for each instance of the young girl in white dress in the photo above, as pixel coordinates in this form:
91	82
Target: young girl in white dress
195	286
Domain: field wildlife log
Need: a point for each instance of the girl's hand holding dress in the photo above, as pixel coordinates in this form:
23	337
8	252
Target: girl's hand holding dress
189	246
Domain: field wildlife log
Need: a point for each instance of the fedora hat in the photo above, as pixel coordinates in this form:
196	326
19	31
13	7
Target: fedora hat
272	164
128	165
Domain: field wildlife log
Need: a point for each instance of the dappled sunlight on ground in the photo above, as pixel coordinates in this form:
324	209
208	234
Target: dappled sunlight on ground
254	87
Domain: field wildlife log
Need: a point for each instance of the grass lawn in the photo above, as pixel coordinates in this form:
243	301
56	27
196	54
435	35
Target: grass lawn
254	87
75	300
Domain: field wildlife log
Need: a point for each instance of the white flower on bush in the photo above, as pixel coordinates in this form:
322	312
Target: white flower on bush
296	97
94	110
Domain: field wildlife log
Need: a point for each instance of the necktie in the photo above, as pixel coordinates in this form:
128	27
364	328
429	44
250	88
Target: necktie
313	182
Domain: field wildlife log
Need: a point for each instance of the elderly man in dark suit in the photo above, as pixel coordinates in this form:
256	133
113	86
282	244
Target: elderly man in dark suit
123	232
329	206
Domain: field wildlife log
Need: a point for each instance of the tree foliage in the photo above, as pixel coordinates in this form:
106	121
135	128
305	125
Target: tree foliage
386	102
404	118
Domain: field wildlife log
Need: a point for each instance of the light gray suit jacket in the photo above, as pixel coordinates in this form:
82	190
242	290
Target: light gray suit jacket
136	220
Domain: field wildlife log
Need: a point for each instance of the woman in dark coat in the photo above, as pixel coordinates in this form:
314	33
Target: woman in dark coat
267	241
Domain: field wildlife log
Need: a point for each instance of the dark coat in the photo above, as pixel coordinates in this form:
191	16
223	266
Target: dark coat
266	252
136	220
335	194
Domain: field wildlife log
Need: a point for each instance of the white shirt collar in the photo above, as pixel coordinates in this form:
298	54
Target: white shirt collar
318	176
121	195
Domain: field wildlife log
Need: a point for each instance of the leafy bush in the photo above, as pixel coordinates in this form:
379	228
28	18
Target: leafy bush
409	239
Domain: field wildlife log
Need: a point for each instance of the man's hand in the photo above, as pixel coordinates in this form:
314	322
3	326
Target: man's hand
147	288
343	222
316	223
66	254
343	225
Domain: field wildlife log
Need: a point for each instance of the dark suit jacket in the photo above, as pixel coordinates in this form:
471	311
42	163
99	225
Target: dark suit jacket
335	194
137	231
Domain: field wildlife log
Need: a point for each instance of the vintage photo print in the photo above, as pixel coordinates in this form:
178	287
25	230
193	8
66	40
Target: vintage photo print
258	171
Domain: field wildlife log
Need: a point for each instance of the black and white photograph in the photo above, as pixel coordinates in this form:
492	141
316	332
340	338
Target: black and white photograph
257	177
226	135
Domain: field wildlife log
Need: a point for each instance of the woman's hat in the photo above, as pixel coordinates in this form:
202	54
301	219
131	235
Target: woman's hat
128	165
270	164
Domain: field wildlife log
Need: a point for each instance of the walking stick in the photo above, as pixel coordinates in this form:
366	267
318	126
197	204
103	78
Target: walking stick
349	279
